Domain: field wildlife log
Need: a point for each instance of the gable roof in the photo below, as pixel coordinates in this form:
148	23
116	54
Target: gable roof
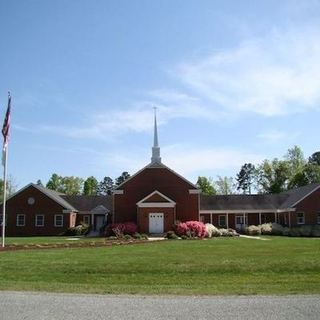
157	165
285	200
241	202
52	194
298	194
89	203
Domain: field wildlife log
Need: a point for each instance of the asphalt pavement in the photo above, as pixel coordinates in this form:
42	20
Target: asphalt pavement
52	306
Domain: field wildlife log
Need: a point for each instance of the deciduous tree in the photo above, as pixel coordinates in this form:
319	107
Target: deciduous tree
90	186
206	185
273	176
225	185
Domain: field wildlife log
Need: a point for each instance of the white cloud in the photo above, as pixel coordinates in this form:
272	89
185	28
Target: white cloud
187	160
274	135
275	75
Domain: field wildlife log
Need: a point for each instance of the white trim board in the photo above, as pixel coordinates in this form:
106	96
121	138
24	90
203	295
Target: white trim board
152	194
247	211
156	205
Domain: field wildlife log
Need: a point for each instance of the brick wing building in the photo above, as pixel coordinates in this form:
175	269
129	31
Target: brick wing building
154	198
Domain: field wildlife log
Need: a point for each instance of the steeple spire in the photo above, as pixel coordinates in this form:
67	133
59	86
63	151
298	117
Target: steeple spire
155	149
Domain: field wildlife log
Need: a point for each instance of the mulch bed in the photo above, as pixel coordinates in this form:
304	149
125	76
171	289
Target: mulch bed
92	244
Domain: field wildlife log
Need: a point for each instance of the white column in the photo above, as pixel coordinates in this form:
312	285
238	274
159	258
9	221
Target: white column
92	221
259	217
289	214
275	216
227	220
244	220
211	218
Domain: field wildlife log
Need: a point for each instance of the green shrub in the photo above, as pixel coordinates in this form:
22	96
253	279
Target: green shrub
112	238
305	231
144	236
184	237
79	230
294	232
137	235
285	231
171	235
315	231
127	237
277	229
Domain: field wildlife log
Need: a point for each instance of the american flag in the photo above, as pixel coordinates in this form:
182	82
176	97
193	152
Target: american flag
6	124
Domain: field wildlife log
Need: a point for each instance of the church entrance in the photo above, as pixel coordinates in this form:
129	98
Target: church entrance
156	223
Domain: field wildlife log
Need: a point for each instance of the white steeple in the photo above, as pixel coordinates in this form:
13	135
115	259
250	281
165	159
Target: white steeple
155	149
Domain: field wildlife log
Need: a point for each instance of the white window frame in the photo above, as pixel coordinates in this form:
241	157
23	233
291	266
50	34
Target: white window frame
87	216
225	220
318	218
55	220
17	220
36	220
303	218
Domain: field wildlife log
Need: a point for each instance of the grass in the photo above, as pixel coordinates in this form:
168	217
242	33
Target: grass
208	267
48	240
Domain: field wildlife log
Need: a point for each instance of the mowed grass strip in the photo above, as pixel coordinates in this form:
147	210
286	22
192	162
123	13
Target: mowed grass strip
51	240
208	267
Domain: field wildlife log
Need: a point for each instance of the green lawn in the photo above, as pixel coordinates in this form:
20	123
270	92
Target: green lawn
215	266
49	240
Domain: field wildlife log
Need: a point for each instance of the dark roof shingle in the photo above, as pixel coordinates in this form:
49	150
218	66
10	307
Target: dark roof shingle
88	203
284	200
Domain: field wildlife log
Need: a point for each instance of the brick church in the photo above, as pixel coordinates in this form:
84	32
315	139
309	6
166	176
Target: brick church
154	198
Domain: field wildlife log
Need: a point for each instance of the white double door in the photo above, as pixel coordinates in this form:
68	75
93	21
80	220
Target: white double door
241	222
156	222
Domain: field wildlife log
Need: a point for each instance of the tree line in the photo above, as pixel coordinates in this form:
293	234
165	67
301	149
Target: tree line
71	185
270	176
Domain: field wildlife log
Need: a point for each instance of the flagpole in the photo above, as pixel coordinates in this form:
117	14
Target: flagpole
4	196
5	132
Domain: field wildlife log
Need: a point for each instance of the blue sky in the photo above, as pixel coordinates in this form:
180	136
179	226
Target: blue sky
234	82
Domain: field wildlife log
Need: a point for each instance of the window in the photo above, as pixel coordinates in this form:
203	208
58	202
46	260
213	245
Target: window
205	218
31	201
58	220
21	220
222	221
39	220
300	218
318	218
86	220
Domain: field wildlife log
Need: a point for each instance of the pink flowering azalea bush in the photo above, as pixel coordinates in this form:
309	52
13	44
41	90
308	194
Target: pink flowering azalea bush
120	229
191	229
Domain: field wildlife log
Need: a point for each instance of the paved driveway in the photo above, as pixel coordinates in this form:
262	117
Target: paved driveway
48	306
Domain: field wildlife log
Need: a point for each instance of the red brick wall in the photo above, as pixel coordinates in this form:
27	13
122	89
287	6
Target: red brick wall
43	205
156	198
310	206
252	218
149	180
143	218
